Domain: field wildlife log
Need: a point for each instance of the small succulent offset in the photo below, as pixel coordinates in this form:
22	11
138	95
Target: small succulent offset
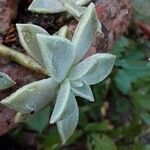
5	81
74	7
69	75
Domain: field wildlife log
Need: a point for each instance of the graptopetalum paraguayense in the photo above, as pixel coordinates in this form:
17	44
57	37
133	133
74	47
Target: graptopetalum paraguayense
69	75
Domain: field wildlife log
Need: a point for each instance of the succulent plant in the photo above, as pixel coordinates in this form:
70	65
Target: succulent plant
5	81
69	75
74	7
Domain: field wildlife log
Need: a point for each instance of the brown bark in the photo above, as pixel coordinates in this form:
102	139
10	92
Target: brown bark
115	17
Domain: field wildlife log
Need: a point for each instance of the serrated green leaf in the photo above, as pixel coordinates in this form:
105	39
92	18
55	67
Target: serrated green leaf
68	124
122	81
32	97
100	143
5	81
61	102
96	127
142	101
141	147
83	91
94	69
27	36
46	6
85	32
58	55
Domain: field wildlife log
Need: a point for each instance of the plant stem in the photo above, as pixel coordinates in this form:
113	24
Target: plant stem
21	59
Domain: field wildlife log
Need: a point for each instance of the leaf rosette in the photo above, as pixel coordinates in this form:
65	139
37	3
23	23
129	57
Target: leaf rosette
69	75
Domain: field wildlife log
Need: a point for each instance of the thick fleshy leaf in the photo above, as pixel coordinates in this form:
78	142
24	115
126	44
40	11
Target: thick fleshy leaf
74	10
32	97
82	2
61	101
46	6
63	31
83	91
5	81
85	32
68	124
58	55
83	67
94	69
27	35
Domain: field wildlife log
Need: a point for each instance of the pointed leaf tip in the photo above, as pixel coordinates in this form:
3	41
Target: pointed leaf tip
61	101
27	36
83	91
5	81
67	125
58	55
93	69
85	31
46	6
32	97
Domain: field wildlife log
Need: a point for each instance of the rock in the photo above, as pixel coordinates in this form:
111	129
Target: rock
8	13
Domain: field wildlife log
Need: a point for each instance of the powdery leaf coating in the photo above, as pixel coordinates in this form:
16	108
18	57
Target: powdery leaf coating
27	36
62	58
82	2
85	32
83	91
74	10
94	69
5	81
46	6
56	6
32	97
68	124
100	71
61	101
58	55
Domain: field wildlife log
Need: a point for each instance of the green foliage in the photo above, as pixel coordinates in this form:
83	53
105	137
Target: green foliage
100	142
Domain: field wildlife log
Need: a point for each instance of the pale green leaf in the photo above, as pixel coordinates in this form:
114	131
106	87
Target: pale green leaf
74	10
27	35
82	2
94	69
32	97
83	67
63	31
5	81
46	6
85	32
100	71
58	55
61	101
100	143
83	91
68	124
